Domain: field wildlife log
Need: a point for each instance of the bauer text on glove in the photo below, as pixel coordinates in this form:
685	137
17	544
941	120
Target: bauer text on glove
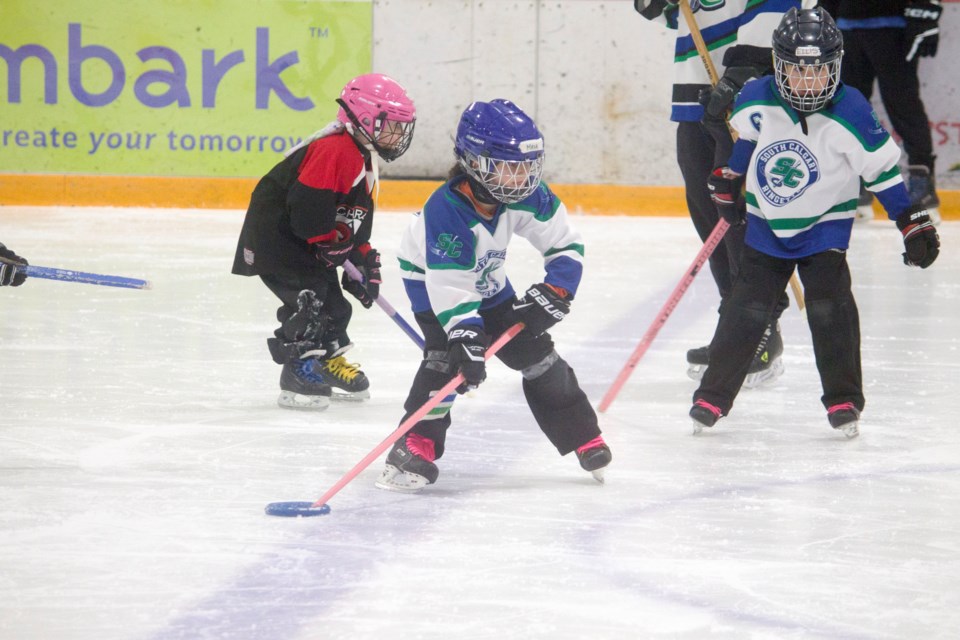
541	307
466	347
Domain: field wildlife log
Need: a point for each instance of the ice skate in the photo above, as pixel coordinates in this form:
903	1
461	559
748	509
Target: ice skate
697	361
346	379
594	457
923	191
409	466
845	418
767	364
301	387
704	414
864	206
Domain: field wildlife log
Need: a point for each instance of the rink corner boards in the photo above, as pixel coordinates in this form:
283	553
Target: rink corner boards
395	195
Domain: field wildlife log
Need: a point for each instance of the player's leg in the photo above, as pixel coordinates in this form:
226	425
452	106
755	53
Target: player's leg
550	386
410	462
835	327
296	343
744	318
348	381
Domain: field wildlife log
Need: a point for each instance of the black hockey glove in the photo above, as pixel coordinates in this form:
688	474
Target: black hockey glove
9	273
650	9
541	307
922	31
724	186
466	347
334	248
920	237
367	261
721	97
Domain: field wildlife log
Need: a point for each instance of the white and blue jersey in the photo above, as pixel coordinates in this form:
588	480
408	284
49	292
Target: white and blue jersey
453	260
723	25
803	172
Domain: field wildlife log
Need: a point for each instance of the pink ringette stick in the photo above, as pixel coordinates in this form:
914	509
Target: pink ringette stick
712	241
320	506
407	424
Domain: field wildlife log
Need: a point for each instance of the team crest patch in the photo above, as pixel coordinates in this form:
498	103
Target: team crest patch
707	5
491	262
785	170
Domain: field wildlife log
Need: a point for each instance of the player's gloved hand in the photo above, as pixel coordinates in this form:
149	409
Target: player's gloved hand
367	261
721	97
541	307
922	30
466	346
650	9
334	248
724	186
920	237
9	273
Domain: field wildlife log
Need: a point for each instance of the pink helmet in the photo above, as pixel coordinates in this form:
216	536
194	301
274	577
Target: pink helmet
380	111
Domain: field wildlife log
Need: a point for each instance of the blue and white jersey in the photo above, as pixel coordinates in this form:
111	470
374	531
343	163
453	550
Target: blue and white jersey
723	24
803	174
453	260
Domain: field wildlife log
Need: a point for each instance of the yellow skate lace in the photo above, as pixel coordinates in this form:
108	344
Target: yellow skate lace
342	369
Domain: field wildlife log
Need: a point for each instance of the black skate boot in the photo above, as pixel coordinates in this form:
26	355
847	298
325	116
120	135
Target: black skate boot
594	456
347	380
697	361
302	387
923	191
864	205
845	418
704	414
767	364
409	465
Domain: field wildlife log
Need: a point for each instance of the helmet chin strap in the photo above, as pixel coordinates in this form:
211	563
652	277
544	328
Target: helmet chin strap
480	192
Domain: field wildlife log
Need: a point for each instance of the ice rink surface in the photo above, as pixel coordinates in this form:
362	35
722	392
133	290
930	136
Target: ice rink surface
140	441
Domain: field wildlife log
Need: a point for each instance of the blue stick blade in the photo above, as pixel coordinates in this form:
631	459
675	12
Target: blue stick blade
296	509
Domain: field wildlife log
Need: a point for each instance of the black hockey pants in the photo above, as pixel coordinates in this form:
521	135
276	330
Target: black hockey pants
554	396
880	54
325	284
831	313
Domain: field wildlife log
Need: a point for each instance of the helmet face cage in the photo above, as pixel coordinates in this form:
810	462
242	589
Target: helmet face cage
807	52
508	181
380	112
807	87
501	149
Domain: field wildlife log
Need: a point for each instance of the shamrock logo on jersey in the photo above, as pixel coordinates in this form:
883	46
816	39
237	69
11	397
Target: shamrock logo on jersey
784	171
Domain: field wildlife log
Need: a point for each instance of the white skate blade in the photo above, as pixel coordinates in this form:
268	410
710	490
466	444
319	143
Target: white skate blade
754	380
697	427
347	396
850	430
291	400
392	479
598	475
695	371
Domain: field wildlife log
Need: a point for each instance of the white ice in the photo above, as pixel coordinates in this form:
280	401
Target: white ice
140	441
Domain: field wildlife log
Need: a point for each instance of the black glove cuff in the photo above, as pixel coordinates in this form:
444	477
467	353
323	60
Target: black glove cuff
915	214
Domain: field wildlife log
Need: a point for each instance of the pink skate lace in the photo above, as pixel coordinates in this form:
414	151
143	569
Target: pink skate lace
421	446
715	410
593	444
846	406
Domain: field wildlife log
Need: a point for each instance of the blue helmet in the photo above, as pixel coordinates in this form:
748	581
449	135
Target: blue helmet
501	150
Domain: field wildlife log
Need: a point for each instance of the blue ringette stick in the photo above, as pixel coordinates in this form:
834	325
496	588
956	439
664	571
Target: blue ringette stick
355	274
65	275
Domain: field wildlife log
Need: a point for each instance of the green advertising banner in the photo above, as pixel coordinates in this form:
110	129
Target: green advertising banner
203	88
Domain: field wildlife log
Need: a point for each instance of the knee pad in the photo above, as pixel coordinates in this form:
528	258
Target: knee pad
436	361
534	371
